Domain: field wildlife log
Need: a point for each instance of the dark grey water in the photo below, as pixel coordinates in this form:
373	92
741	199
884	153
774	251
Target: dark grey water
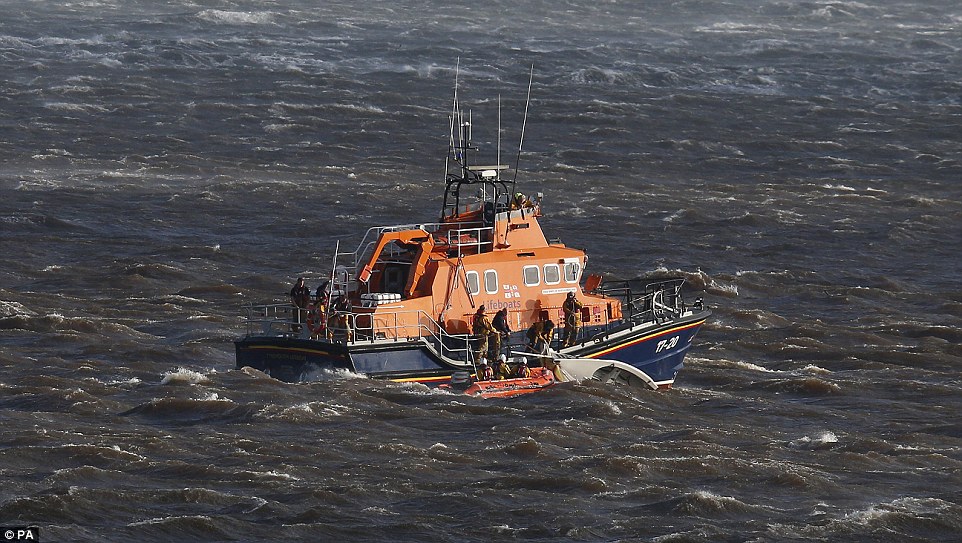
163	163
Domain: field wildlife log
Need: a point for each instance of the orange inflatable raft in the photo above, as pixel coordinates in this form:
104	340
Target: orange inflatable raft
540	379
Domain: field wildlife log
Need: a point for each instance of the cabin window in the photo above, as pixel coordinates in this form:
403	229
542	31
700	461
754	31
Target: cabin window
474	286
572	272
532	276
552	274
491	281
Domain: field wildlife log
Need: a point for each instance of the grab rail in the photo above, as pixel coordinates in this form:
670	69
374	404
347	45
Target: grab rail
283	320
657	302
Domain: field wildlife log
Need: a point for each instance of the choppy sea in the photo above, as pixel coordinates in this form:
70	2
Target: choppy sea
798	161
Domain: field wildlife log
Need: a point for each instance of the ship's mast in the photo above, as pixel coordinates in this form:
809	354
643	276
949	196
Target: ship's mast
492	187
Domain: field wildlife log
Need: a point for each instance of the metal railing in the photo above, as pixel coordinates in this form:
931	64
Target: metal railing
284	320
273	319
657	302
478	238
371	236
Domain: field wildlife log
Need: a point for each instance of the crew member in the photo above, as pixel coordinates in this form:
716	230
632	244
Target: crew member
539	336
502	370
572	312
317	316
555	368
341	317
481	328
300	298
524	371
322	293
318	312
486	373
501	331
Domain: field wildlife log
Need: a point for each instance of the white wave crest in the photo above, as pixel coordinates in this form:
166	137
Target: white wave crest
753	367
184	376
236	17
66	106
823	440
11	309
901	507
318	374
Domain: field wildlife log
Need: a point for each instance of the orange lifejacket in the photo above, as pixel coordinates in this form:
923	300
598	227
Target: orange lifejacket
316	319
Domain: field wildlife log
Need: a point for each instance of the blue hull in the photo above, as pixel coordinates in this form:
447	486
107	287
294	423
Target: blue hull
288	359
659	352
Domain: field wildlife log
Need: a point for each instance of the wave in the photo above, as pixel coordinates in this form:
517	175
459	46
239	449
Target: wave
172	299
76	108
706	504
184	376
917	330
237	17
822	441
286	127
799	477
89	476
214	288
740	364
100	457
551	483
186	411
698	280
316	374
758	319
13	309
812	386
733	27
302	413
357	108
56	322
190	527
812	368
155	270
42	222
598	75
39	399
908	518
525	447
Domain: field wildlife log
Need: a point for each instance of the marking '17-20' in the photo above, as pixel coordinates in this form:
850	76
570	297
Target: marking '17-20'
666	344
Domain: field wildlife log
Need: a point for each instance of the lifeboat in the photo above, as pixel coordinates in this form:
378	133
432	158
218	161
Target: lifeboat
540	378
403	301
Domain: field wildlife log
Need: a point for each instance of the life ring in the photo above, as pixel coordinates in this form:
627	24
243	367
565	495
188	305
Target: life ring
316	319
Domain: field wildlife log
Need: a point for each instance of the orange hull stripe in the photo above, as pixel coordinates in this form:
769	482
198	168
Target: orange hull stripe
422	379
645	338
290	349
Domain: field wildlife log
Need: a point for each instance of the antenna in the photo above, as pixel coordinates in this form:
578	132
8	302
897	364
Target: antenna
452	119
456	114
524	122
452	145
499	138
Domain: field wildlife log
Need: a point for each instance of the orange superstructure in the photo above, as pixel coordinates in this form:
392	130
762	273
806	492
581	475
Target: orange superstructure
449	269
